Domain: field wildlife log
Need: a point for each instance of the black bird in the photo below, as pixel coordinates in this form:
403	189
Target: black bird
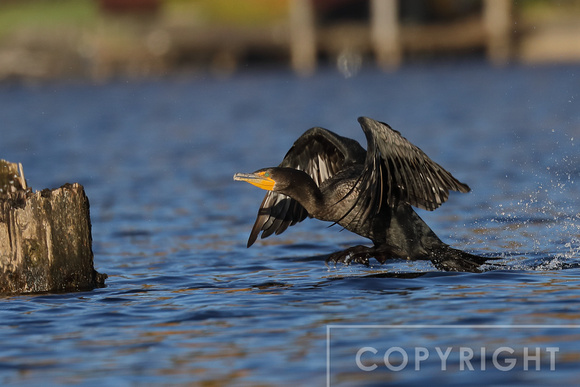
332	178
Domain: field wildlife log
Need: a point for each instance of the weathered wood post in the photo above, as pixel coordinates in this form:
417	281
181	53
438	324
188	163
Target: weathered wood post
45	237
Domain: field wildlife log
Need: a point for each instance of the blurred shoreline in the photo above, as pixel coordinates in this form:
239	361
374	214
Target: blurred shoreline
86	39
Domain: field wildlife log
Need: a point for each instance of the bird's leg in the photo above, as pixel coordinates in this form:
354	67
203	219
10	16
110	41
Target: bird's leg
383	252
356	254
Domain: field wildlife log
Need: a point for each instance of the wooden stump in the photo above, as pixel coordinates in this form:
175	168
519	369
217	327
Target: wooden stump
45	237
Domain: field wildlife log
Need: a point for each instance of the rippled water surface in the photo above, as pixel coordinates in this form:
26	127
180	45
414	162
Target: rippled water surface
186	302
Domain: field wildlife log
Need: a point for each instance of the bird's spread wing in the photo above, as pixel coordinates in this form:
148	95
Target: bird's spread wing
318	152
398	171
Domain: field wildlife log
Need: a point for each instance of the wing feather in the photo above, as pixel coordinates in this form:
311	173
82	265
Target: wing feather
409	174
394	171
321	154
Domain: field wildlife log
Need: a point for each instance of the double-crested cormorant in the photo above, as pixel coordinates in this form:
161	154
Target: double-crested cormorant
332	178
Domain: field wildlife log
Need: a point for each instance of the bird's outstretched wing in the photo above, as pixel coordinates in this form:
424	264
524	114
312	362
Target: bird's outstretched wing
318	152
397	171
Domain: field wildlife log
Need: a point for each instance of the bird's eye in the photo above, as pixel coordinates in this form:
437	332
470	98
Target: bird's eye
266	174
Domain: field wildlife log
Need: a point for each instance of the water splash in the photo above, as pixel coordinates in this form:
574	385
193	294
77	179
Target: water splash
543	226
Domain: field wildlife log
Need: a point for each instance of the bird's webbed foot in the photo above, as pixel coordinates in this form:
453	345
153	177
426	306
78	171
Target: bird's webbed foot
356	254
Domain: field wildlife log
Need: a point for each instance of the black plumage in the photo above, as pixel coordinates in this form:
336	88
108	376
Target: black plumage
369	192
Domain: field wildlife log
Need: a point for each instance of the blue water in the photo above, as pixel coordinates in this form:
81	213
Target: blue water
187	303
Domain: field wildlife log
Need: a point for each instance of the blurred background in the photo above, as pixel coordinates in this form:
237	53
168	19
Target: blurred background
100	39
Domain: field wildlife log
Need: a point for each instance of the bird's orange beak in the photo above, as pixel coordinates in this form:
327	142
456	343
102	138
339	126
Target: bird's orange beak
259	179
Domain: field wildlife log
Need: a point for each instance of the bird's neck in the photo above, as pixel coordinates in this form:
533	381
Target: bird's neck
305	191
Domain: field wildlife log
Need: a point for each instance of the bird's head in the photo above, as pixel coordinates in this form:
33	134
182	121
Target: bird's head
291	182
276	179
263	178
